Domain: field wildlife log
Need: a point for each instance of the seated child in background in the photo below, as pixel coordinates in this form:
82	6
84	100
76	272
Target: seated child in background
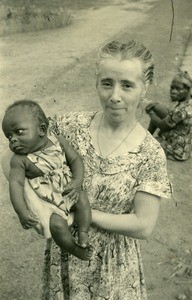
46	161
175	134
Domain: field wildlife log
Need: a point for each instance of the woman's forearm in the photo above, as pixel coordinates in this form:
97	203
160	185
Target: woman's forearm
125	224
138	225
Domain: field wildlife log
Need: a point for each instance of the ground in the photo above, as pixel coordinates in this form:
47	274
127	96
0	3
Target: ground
56	67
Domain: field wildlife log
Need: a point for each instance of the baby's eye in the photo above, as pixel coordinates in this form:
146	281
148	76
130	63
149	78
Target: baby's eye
19	131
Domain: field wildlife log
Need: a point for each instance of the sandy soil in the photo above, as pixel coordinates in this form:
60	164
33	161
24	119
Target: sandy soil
56	67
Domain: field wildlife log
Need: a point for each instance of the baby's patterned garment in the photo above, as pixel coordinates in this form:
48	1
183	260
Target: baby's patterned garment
49	187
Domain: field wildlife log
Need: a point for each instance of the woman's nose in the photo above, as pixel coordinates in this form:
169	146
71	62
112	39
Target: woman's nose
115	97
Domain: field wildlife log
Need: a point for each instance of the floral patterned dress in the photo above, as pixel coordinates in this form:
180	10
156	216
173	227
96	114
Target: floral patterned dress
177	142
115	271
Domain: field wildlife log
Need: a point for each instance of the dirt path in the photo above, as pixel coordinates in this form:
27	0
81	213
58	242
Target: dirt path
28	57
56	67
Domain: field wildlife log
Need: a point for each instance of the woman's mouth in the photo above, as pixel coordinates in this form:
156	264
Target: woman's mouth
116	108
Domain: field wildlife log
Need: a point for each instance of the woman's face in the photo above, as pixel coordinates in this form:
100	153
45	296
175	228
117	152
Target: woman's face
178	91
120	87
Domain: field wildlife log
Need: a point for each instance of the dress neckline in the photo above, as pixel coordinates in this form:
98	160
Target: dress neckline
135	150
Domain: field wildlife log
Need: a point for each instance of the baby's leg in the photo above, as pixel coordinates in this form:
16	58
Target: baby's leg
82	218
63	238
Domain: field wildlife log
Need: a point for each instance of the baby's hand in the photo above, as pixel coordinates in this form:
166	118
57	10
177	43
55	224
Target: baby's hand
28	219
72	189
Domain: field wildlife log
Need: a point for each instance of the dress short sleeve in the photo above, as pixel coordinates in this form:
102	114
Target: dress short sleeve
154	177
66	125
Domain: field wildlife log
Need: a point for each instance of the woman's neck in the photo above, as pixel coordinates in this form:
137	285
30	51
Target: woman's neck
116	126
115	138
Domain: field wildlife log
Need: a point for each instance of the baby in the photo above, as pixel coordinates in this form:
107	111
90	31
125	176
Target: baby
55	172
174	124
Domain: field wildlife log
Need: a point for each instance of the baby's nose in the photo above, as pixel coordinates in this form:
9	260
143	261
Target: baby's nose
13	139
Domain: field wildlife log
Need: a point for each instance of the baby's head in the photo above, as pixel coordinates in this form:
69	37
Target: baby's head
25	125
181	86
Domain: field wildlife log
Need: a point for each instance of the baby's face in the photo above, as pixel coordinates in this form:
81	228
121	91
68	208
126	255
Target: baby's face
22	131
178	91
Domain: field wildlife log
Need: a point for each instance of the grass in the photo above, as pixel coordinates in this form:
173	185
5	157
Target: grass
34	15
74	4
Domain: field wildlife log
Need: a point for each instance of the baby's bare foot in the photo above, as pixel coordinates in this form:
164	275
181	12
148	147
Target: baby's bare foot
83	238
83	253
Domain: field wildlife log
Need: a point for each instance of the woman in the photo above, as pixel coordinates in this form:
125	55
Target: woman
125	177
174	124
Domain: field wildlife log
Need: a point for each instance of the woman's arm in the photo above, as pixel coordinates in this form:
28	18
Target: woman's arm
138	225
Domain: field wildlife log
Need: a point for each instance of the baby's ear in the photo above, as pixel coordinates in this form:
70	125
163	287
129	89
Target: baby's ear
42	129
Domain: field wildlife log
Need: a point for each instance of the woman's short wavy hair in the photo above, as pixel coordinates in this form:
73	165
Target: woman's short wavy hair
128	51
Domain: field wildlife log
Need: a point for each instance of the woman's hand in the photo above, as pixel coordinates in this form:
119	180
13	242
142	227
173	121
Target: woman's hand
27	219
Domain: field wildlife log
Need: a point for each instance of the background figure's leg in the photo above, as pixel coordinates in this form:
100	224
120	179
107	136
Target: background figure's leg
151	128
161	111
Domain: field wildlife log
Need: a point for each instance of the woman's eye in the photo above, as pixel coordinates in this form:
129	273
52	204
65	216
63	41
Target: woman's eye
127	86
106	84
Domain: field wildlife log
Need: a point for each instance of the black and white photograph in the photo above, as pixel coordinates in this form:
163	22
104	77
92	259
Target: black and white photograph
96	149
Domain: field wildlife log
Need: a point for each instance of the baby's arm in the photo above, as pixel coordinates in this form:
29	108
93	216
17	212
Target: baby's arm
16	189
75	164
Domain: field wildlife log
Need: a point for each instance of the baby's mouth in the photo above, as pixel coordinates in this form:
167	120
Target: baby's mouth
17	149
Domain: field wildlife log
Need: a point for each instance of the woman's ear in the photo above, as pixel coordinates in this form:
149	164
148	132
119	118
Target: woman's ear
145	88
144	91
42	130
